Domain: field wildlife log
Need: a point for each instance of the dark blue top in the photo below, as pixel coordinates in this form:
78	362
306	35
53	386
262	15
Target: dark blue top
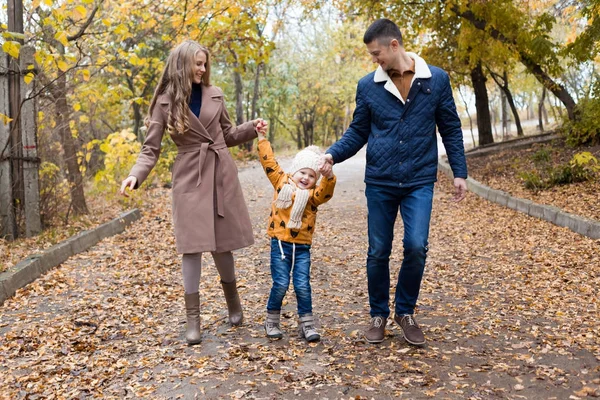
196	99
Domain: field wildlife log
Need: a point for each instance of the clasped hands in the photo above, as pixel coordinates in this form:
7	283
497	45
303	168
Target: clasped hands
262	127
326	165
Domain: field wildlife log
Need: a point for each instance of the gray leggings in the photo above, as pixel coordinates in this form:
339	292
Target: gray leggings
191	267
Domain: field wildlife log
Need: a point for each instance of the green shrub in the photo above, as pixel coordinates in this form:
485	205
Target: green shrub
532	180
581	168
585	166
121	150
54	193
241	154
542	155
586	128
120	153
164	166
561	175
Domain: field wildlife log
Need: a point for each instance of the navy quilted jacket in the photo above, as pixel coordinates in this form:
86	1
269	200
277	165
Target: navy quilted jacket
401	137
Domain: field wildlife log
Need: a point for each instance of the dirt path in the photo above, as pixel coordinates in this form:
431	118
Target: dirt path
509	304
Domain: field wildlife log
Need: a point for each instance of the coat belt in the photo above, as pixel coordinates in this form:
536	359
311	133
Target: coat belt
203	148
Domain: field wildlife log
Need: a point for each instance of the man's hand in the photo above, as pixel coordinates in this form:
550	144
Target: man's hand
460	189
326	164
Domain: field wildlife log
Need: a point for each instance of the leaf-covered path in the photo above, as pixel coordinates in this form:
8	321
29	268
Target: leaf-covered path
509	305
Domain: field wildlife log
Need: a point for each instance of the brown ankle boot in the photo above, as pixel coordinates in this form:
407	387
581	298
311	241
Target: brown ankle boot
192	310
233	303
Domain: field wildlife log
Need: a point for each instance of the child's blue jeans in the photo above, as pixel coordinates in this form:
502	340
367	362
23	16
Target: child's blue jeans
290	259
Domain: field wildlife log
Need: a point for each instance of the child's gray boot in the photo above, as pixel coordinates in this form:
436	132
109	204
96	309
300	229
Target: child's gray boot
272	325
307	328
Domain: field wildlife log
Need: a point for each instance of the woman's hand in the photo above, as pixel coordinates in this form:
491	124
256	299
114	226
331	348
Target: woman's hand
130	182
262	127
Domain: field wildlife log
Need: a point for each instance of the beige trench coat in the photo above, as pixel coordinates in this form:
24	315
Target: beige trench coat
209	211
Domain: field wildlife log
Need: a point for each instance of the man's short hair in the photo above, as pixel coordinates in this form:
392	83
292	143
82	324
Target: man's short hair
383	30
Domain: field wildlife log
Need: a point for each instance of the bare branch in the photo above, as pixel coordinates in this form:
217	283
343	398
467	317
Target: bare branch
86	24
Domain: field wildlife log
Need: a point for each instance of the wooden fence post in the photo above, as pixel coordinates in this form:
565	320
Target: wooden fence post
8	225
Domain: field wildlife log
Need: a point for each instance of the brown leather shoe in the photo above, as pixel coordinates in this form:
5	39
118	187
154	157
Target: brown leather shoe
411	330
376	331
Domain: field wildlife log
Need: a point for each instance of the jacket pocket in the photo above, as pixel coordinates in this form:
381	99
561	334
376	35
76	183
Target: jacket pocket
217	98
185	173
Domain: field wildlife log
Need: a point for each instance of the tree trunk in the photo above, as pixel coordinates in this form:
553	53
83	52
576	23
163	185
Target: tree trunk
298	137
513	107
239	103
504	117
468	115
137	122
239	97
541	110
507	93
307	122
484	124
254	110
68	145
137	112
515	112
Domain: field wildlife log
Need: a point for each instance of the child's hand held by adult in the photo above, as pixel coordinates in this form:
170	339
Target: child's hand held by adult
261	126
325	165
328	174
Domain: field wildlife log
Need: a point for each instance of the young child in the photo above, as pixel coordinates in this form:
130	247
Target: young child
291	226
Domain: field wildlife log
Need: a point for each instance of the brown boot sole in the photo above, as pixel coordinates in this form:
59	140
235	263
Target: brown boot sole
376	341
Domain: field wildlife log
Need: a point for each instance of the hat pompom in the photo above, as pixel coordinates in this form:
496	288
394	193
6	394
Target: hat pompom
314	149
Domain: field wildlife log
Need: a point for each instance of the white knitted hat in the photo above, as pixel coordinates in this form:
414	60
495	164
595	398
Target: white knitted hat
307	158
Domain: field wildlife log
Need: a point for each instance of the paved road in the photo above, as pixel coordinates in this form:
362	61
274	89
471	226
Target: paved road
509	305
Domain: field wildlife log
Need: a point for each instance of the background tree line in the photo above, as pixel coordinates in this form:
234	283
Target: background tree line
293	62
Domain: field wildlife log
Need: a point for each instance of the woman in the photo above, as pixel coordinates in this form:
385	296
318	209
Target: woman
209	211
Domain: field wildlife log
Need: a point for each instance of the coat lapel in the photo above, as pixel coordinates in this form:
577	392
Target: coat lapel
212	102
195	125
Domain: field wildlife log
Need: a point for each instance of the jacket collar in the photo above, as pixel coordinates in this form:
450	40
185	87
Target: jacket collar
421	70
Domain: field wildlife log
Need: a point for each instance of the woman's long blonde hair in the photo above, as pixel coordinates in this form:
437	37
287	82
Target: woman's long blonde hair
176	82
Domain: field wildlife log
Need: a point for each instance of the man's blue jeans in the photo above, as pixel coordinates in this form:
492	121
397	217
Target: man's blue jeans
282	268
383	203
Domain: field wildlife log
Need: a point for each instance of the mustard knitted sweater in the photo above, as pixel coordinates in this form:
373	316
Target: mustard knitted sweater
278	218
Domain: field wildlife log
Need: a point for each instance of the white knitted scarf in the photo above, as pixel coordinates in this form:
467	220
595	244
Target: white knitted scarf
284	201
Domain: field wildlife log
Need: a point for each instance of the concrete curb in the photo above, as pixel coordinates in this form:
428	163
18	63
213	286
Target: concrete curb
517	143
583	226
36	265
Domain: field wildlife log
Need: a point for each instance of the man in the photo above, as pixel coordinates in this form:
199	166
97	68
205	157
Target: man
397	110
